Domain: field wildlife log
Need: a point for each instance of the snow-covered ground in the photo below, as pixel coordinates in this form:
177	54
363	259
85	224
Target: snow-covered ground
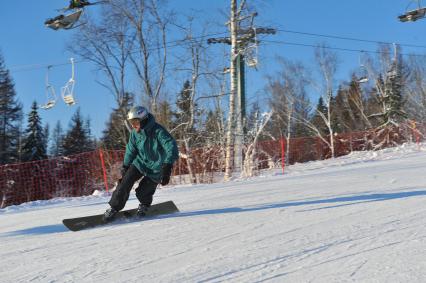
359	218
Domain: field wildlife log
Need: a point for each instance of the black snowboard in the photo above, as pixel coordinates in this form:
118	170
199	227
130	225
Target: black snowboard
80	223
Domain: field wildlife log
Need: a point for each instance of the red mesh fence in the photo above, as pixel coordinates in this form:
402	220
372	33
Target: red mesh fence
82	174
74	175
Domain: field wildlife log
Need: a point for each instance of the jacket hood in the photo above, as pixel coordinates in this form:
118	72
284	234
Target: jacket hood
149	124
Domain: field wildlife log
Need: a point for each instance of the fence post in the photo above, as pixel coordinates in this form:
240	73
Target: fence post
415	132
101	155
282	153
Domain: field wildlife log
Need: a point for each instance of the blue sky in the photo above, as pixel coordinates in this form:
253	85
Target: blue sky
28	47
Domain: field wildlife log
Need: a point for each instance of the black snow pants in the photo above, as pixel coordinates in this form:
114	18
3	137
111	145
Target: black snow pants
144	191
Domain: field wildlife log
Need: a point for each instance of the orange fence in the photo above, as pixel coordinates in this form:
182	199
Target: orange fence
82	174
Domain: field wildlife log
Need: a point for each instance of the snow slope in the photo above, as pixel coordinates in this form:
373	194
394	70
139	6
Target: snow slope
359	218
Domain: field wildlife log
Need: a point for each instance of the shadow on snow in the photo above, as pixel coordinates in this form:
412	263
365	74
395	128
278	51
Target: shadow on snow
337	201
40	230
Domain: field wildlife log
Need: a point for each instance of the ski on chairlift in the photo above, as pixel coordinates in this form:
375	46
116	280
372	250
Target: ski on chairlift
71	15
413	15
79	4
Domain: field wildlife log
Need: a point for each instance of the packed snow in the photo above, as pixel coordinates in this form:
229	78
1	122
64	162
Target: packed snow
357	218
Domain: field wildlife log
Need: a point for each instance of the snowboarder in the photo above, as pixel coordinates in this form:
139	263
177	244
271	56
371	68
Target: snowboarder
150	154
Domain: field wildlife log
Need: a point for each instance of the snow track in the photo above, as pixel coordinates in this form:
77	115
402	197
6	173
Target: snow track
359	218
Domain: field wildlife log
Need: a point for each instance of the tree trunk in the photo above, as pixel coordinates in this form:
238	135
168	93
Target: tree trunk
229	154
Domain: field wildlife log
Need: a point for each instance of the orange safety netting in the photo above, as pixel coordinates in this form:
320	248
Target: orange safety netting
82	174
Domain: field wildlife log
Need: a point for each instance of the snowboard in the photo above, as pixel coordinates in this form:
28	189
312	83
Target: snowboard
81	223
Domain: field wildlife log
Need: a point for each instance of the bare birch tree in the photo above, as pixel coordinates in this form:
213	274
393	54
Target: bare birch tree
192	62
229	150
327	62
149	21
250	162
389	75
288	101
416	89
108	45
351	107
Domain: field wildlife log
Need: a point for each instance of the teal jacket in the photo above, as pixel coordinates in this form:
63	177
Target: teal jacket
149	149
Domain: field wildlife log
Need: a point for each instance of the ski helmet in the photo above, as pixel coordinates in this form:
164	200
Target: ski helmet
137	112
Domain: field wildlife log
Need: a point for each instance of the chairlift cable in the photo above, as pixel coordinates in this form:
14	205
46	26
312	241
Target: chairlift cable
170	44
349	38
338	48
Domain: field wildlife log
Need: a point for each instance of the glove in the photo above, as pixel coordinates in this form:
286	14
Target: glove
124	169
166	171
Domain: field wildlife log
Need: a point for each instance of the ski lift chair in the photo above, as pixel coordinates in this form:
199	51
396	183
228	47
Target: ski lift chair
251	56
50	93
67	91
48	105
64	21
68	99
252	51
413	15
252	62
363	78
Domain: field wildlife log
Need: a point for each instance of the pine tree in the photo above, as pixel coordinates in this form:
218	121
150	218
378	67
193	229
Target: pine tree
211	125
288	101
185	116
302	110
213	128
253	117
340	114
116	134
389	90
34	147
255	120
10	117
77	139
336	123
46	137
56	148
279	104
374	103
91	141
351	108
184	129
165	115
20	138
317	120
392	99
